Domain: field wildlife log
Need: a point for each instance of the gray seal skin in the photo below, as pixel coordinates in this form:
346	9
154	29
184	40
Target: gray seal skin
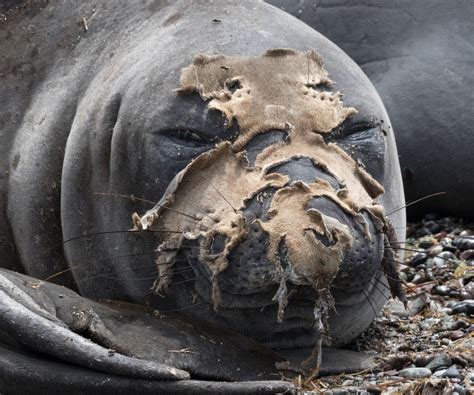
417	55
91	113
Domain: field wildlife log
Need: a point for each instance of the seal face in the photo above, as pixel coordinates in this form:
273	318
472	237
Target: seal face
309	205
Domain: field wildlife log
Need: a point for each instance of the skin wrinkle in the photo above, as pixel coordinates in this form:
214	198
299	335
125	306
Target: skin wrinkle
277	90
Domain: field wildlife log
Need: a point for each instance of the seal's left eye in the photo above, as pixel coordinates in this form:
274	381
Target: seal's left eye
187	138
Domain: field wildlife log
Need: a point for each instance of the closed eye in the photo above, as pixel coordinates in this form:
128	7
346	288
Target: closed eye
355	130
187	138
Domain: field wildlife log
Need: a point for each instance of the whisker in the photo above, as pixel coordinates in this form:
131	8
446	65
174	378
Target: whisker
413	202
381	282
378	289
184	308
368	300
149	201
105	233
188	280
131	197
110	275
223	197
75	266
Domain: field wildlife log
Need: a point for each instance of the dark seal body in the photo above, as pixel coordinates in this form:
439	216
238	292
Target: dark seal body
90	114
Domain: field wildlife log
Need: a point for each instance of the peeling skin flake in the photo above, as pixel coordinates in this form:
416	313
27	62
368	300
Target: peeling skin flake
278	90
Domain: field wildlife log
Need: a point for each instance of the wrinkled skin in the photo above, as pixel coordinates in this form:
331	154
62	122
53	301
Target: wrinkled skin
100	116
417	55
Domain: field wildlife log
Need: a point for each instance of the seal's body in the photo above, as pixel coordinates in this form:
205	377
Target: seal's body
274	170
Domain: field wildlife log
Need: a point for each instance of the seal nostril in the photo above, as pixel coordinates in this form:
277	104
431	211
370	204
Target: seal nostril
218	244
233	84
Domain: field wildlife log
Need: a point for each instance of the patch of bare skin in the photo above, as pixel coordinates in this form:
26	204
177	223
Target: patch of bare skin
278	90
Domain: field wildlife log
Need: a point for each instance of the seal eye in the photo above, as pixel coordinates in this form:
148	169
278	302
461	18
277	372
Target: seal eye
187	138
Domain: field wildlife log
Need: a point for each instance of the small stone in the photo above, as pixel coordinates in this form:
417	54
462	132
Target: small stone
403	276
459	389
466	255
464	243
419	277
443	259
442	290
438	361
435	250
426	242
466	232
458	325
439	373
464	307
446	342
418	258
449	248
452	372
423	266
429	323
433	227
415	373
422	232
423	360
456	335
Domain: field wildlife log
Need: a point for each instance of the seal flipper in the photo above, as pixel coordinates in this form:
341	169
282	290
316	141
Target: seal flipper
57	322
32	325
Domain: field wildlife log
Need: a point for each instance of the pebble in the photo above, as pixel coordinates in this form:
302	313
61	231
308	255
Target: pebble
442	290
455	335
466	255
443	259
470	376
421	360
438	361
415	372
450	248
418	258
435	250
459	389
464	307
426	242
433	227
458	325
419	277
464	243
429	323
452	372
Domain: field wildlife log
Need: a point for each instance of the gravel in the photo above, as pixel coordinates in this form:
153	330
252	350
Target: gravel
429	347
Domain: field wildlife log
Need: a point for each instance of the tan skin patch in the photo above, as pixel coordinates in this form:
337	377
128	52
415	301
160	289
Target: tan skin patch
278	90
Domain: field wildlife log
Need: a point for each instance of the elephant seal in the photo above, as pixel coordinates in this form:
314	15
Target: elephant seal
421	67
275	172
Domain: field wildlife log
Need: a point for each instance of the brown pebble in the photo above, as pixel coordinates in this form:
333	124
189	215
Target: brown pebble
456	335
466	255
440	235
